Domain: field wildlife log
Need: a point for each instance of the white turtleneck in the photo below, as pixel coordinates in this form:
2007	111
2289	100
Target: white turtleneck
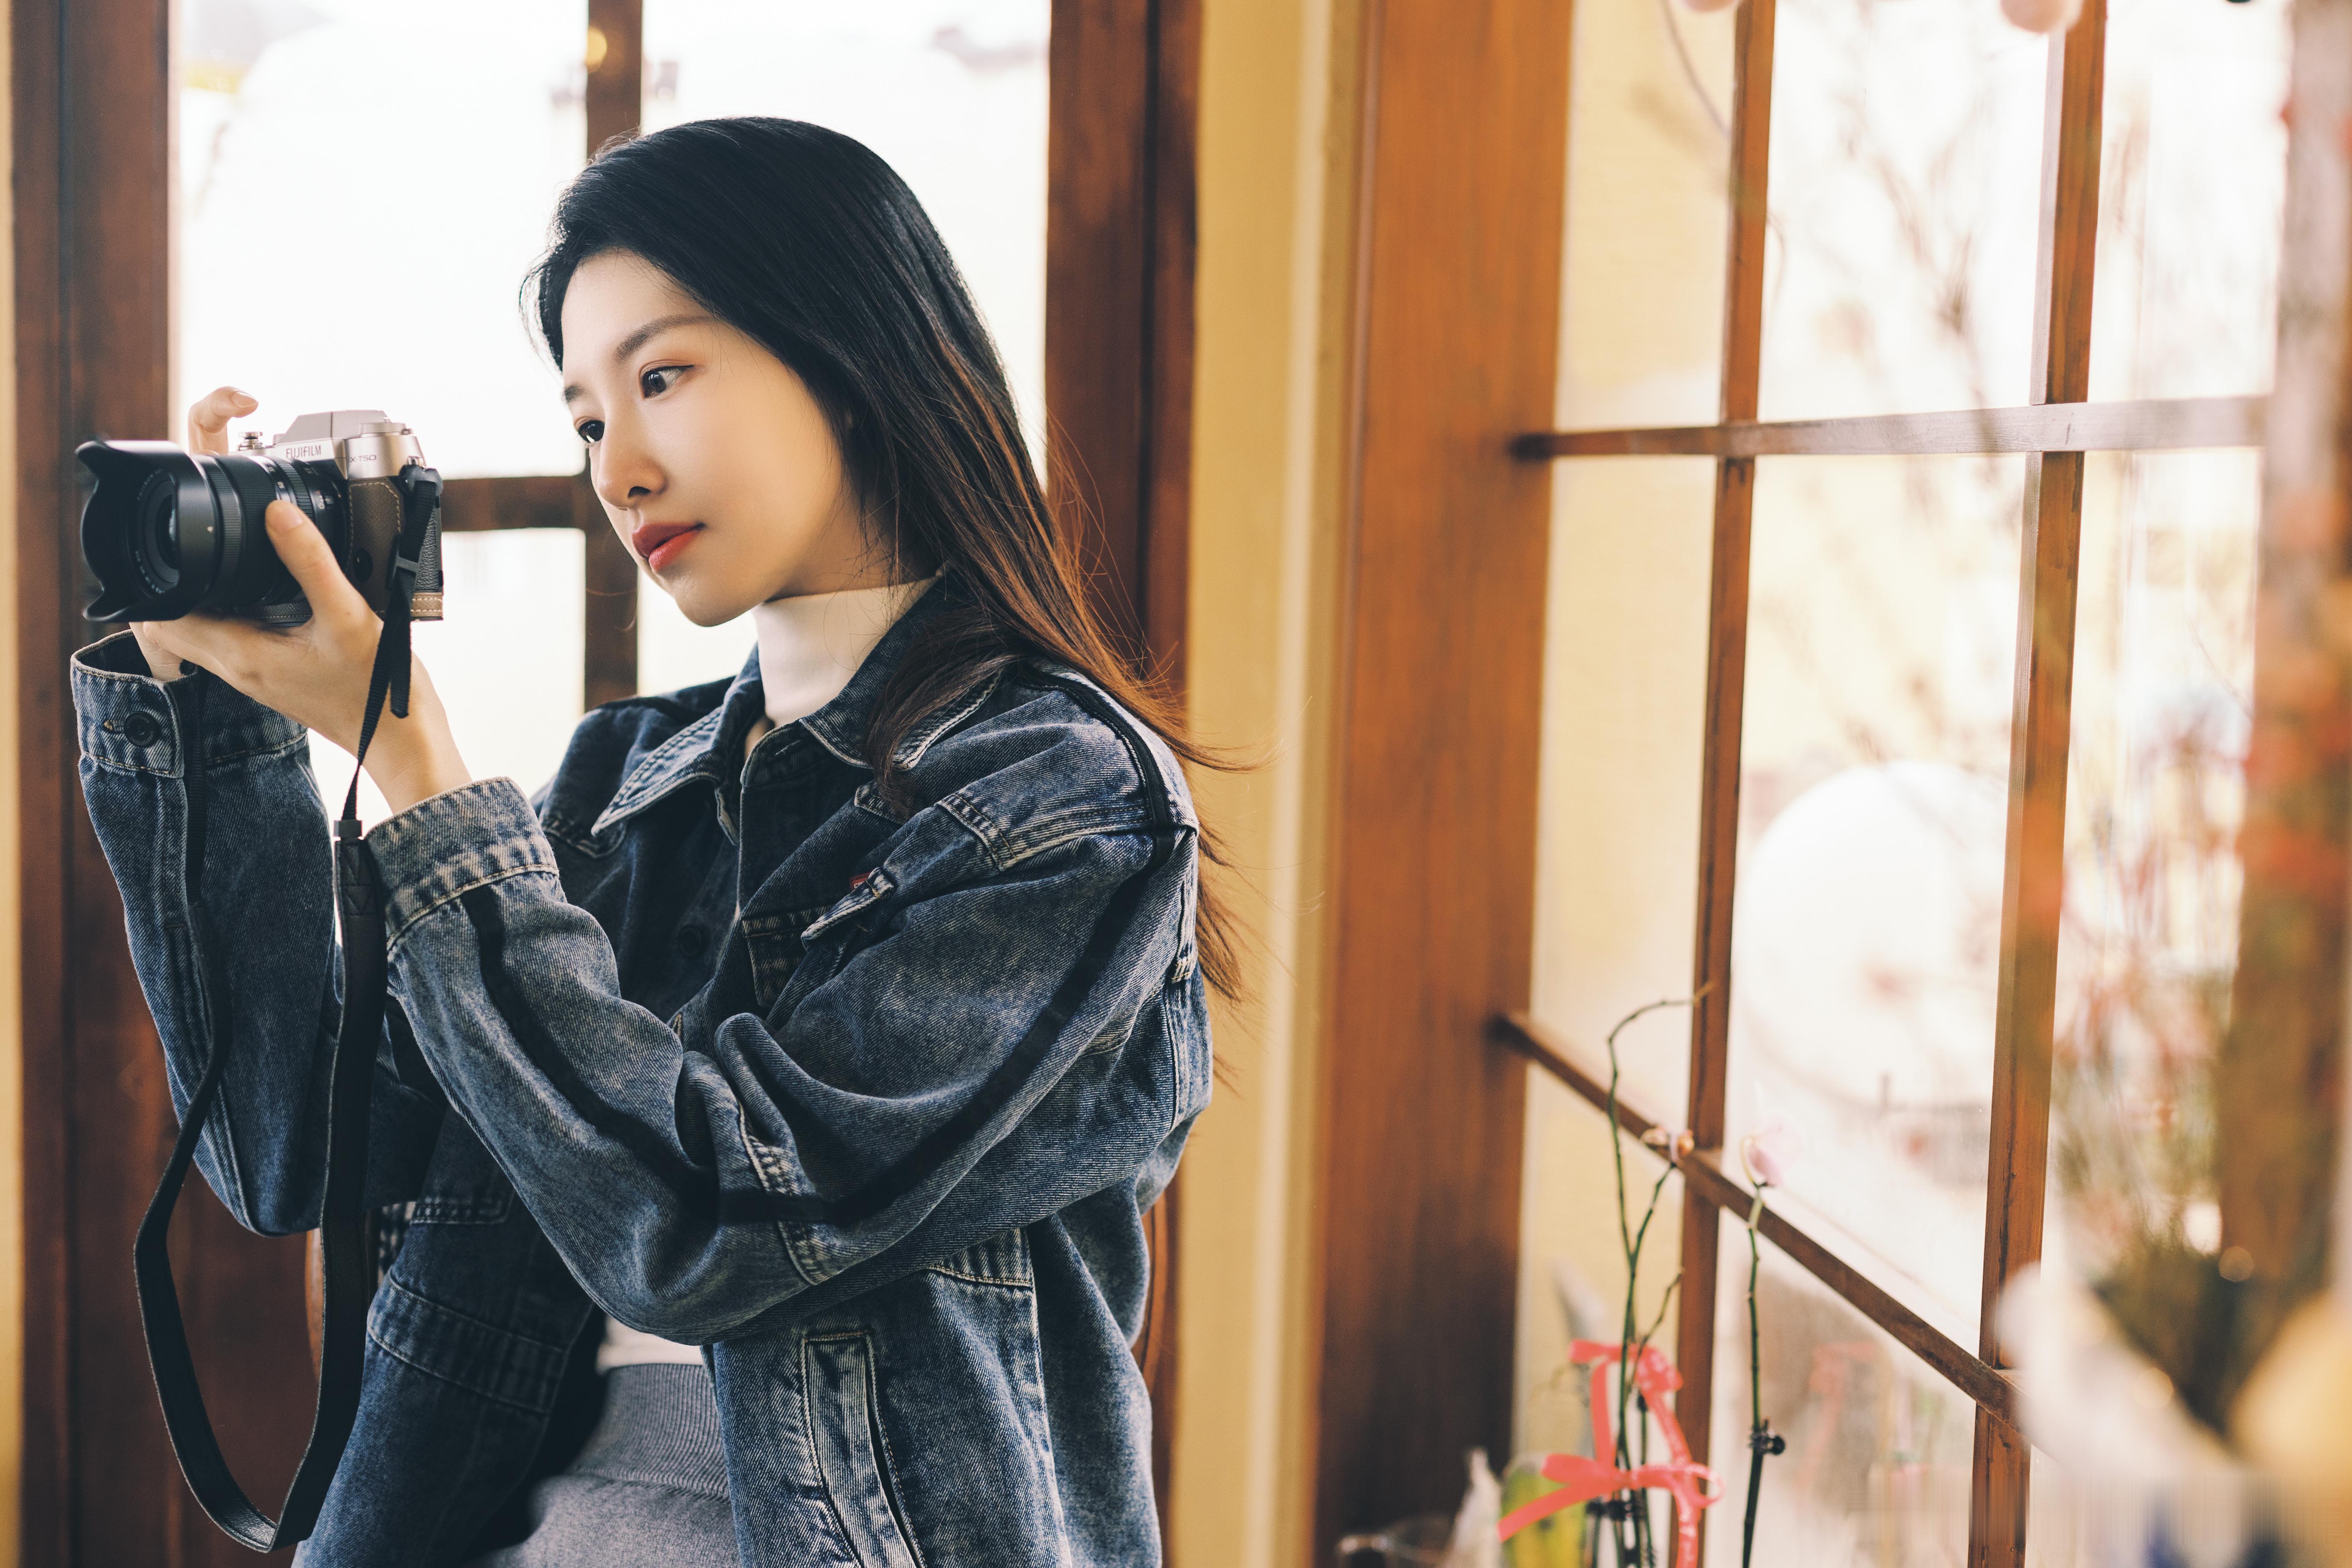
809	648
810	645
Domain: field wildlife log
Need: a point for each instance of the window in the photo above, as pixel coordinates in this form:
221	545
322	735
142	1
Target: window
1923	873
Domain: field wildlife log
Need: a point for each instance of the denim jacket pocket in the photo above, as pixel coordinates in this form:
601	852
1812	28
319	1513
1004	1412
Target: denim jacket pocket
774	944
845	1427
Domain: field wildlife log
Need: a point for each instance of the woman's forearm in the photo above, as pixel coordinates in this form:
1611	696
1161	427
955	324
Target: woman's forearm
204	806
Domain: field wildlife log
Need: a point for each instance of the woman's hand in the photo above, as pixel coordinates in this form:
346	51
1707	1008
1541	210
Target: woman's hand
316	673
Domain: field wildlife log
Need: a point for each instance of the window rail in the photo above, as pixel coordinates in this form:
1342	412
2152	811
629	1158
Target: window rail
1872	1286
2156	425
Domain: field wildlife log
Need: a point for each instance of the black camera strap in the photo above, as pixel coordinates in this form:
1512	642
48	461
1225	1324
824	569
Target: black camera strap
345	1238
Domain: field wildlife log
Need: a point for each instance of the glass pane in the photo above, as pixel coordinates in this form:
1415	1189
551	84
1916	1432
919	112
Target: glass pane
1625	666
1906	179
345	243
1643	257
1879	1445
1881	625
2156	791
2193	191
507	659
952	93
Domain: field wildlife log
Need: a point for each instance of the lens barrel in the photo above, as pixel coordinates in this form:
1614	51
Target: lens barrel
168	531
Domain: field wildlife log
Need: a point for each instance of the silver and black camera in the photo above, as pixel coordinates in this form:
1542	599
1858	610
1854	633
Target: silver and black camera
167	531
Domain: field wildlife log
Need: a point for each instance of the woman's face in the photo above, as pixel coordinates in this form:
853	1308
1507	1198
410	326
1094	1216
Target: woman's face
714	464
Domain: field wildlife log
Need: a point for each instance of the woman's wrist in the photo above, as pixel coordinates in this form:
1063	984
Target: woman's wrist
415	759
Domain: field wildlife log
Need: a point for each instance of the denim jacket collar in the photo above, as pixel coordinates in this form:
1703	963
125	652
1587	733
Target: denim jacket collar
700	752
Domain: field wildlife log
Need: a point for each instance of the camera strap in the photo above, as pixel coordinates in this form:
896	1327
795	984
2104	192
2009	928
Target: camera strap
346	1240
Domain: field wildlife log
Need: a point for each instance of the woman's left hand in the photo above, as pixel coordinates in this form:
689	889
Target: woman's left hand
316	673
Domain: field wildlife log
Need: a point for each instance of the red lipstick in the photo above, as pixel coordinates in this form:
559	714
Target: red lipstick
658	544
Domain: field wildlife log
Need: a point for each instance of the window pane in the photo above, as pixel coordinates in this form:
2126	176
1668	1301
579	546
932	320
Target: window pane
1644	243
952	94
1906	179
2156	791
1882	625
1877	1472
507	659
2191	199
1625	668
346	238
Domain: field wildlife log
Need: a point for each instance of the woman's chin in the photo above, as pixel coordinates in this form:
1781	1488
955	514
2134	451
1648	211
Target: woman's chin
703	608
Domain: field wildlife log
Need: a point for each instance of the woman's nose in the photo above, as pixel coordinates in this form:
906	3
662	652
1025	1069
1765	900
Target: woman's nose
625	473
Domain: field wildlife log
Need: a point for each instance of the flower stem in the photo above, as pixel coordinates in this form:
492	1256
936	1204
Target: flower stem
1631	1523
1759	1438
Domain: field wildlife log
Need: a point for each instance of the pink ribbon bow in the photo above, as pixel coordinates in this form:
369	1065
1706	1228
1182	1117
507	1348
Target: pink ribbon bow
1692	1486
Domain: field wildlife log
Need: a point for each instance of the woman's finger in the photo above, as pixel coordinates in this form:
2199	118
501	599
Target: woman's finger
209	642
208	417
307	555
163	653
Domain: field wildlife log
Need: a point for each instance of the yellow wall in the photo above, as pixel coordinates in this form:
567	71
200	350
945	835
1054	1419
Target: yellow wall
1277	129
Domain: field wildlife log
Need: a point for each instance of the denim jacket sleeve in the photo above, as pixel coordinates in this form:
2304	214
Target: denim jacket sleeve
922	1081
204	805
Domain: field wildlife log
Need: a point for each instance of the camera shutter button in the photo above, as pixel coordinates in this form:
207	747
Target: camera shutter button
142	729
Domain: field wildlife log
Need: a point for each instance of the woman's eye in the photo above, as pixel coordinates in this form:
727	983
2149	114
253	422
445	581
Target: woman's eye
659	378
590	430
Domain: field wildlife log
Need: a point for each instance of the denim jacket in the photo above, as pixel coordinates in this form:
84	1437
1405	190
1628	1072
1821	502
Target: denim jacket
868	1103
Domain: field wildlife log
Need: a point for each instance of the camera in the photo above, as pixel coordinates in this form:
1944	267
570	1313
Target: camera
166	532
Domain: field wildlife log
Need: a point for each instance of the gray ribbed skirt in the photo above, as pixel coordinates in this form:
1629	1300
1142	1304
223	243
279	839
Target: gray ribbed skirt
648	1491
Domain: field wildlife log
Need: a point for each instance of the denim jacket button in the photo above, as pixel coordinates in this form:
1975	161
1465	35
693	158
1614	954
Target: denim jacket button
142	729
692	942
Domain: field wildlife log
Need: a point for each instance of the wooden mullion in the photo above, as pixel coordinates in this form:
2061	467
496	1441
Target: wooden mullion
608	639
615	95
1718	847
2034	869
48	839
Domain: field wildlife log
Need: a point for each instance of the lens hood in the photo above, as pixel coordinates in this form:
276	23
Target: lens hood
151	531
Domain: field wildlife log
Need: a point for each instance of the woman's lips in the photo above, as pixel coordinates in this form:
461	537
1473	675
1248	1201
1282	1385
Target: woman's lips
660	543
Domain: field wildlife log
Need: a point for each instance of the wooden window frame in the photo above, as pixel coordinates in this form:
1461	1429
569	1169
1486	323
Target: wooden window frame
93	116
2054	431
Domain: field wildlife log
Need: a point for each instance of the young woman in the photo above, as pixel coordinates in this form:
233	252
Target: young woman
829	1031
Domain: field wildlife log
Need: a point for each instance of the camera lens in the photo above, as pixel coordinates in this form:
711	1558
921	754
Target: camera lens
159	528
166	532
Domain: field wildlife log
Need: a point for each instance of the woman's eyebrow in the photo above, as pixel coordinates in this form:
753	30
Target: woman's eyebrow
573	391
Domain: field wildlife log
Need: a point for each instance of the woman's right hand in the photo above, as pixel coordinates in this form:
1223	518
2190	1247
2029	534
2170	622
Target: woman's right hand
208	419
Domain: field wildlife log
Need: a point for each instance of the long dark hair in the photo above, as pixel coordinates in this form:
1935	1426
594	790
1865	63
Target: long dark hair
808	242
